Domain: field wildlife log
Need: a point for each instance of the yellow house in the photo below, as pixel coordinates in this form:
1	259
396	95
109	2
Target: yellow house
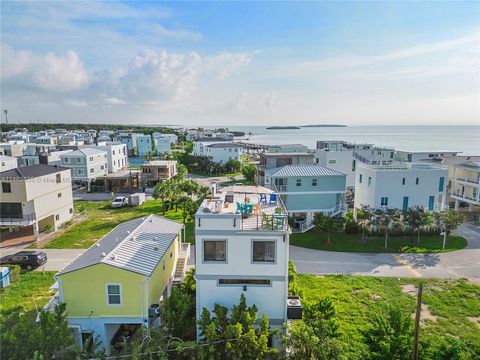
118	283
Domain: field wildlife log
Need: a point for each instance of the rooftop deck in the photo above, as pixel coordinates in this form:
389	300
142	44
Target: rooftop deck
250	207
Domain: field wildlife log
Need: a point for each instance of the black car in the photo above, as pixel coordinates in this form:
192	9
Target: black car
27	259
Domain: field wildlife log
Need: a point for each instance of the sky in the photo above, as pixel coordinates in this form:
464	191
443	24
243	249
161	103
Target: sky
241	63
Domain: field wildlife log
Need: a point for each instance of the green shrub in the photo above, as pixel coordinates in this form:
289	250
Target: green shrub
351	227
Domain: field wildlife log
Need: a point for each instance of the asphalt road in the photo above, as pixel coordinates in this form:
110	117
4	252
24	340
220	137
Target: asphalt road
458	264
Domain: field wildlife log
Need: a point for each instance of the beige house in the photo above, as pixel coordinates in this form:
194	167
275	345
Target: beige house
37	196
158	170
465	188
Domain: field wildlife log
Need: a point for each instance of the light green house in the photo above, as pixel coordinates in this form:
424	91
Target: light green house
117	284
308	189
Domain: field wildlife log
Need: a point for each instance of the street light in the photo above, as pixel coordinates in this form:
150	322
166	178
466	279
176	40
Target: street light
6	116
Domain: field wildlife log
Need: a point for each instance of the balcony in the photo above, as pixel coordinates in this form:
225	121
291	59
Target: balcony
466	180
20	220
466	197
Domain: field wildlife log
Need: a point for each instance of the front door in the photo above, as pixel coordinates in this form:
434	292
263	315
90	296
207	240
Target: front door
405	203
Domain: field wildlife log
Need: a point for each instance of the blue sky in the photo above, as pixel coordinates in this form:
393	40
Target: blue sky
242	63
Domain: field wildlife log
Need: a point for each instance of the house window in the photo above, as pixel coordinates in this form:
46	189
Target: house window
91	158
91	171
431	203
263	251
59	195
417	181
114	294
57	217
369	180
163	265
102	167
66	160
171	254
360	178
215	250
403	181
441	183
332	161
79	160
314	182
6	187
79	171
59	178
384	201
298	182
70	210
353	165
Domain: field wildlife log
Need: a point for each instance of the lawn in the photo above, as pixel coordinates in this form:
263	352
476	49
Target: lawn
314	239
240	181
453	306
29	290
101	218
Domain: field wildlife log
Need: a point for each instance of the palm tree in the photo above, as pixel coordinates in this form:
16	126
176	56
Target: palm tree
186	204
190	187
163	191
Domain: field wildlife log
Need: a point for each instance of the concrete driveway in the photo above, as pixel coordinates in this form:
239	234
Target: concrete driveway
458	264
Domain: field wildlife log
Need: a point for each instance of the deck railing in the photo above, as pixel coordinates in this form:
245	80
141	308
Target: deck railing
18	220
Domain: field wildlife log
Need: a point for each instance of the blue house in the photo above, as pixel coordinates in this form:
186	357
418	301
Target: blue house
308	189
144	145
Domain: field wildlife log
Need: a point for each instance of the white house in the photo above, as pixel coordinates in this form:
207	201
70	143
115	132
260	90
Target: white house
162	145
417	156
173	138
288	148
117	157
400	186
38	197
200	145
343	156
465	189
45	140
87	164
239	253
223	152
8	162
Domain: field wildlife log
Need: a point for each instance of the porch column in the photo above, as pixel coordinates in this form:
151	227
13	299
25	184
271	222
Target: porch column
457	205
35	230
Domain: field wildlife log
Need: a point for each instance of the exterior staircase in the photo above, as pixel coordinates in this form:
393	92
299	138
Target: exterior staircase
181	266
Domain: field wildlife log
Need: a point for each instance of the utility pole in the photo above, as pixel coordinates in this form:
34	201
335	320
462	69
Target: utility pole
417	322
6	116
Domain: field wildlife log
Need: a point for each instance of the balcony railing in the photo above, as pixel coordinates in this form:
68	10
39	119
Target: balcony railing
467	180
465	197
18	220
281	188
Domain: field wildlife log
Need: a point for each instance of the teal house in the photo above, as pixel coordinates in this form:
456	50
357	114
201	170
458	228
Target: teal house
308	189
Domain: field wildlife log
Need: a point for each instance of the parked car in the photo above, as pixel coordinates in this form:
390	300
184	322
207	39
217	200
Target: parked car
119	201
27	259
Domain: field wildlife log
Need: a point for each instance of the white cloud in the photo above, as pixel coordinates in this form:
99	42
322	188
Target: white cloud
114	101
49	72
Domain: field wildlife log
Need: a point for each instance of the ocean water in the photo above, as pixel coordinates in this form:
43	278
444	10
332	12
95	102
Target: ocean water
464	139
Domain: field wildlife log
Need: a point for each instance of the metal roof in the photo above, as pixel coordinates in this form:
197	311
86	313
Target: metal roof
303	170
137	245
225	145
86	151
29	172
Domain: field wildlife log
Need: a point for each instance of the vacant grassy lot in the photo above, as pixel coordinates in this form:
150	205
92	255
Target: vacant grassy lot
101	218
351	243
29	290
452	306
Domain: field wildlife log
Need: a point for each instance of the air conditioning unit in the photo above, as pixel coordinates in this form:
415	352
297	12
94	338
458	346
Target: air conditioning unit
294	308
154	310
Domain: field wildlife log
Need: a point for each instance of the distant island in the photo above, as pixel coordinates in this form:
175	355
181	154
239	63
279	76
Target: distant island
283	128
326	125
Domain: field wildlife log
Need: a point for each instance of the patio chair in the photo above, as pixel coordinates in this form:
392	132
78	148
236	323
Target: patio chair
273	199
263	198
257	208
240	207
